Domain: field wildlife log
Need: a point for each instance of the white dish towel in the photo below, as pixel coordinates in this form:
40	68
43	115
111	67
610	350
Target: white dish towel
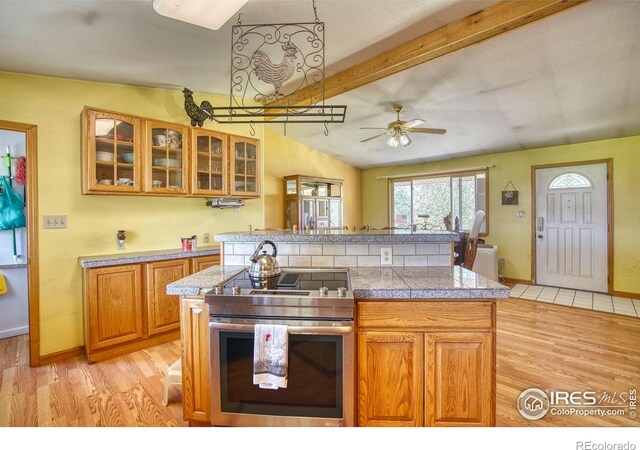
270	361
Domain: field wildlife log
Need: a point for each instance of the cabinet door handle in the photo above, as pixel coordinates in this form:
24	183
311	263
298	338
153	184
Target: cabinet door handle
196	309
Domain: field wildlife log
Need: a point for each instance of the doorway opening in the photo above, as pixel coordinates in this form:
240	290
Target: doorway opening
19	305
572	233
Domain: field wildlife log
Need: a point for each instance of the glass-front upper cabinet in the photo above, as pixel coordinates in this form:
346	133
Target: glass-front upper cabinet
209	162
111	152
166	157
244	166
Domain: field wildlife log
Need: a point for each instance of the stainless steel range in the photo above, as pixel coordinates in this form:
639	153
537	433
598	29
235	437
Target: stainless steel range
317	307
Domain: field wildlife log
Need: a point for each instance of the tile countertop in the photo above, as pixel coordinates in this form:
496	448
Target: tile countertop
87	262
375	282
375	236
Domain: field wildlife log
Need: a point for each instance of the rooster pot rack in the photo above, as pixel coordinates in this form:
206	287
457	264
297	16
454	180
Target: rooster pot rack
273	68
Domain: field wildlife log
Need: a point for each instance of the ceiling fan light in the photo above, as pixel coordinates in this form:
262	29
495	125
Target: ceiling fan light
204	13
393	142
405	139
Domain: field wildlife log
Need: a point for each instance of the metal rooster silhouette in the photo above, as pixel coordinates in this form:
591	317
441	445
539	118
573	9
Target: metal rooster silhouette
275	74
198	114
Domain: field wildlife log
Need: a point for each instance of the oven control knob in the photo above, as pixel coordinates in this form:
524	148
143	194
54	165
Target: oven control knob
342	292
235	290
324	291
218	290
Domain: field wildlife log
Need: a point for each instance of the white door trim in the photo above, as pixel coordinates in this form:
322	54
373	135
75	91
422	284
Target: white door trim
609	169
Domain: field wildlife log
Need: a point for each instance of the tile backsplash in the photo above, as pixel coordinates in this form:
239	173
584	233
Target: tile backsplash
330	254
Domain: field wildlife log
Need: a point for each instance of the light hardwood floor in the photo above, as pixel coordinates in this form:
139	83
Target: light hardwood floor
538	345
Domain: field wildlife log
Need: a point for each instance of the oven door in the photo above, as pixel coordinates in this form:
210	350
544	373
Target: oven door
320	381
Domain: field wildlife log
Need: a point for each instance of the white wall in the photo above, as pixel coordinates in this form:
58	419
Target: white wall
14	305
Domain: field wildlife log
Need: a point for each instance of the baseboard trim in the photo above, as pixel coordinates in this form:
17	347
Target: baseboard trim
516	281
62	355
14	332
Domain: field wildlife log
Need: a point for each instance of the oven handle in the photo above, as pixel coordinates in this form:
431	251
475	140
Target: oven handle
340	330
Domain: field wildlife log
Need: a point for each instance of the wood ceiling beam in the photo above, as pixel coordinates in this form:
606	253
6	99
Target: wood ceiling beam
490	22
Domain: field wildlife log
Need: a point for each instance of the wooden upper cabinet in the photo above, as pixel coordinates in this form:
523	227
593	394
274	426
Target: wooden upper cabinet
163	310
166	157
112	161
244	167
209	163
114	306
460	385
390	378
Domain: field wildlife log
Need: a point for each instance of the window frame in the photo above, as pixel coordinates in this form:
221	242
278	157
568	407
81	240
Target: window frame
453	173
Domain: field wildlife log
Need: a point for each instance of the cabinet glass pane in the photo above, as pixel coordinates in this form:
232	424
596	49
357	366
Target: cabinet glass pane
239	150
216	182
216	164
251	167
202	144
308	213
239	184
291	213
175	179
251	151
240	167
203	181
250	184
291	187
203	163
335	213
174	139
216	146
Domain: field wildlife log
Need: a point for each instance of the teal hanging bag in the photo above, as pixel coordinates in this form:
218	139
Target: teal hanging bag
11	207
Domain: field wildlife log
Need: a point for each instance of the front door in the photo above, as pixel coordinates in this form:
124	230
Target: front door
571	227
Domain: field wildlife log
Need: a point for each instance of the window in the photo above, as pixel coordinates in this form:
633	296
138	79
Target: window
426	201
569	181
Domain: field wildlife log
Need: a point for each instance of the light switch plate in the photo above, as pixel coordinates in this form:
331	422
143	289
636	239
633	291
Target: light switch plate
386	256
206	238
54	222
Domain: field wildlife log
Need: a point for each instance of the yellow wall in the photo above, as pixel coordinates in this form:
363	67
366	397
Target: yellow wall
285	156
152	223
513	235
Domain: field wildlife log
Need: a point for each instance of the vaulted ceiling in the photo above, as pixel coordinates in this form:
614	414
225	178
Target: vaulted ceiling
570	77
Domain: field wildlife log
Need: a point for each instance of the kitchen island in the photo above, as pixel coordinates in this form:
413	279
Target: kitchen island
424	335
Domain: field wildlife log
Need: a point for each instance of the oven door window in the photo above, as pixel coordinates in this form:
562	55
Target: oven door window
314	384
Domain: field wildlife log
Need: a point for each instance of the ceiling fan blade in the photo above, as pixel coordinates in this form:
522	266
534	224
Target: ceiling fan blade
373	137
412	123
427	130
372	128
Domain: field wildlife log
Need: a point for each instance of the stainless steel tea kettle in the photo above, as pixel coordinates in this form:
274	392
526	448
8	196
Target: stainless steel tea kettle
264	272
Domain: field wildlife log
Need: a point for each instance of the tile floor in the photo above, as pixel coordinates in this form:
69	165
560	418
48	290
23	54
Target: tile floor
580	299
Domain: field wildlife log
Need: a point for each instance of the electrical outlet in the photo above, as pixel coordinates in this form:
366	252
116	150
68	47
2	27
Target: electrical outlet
54	221
120	244
386	257
206	238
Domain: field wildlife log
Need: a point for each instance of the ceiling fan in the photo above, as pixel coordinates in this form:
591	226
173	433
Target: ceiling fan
399	129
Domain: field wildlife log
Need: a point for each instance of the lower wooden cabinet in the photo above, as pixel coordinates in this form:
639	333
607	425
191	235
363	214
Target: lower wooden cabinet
416	368
391	367
114	306
163	310
204	262
460	387
196	384
127	308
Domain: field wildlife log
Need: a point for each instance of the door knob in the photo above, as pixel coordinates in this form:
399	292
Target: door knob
540	236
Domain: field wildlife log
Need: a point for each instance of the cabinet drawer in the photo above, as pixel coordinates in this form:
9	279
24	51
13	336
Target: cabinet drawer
426	315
